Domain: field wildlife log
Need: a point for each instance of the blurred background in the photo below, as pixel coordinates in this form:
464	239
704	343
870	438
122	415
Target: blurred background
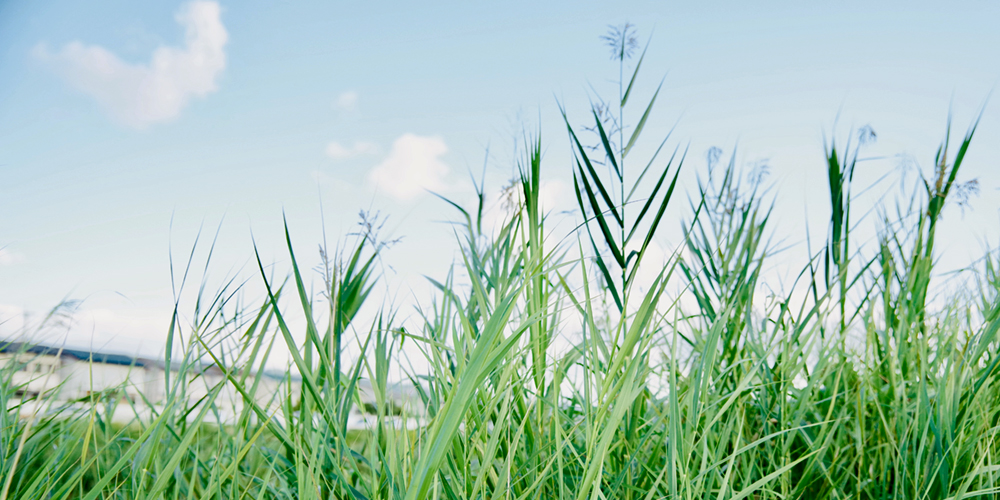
130	130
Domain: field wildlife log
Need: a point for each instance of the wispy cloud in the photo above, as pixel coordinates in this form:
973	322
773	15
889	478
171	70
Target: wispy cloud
412	166
338	151
142	94
11	321
8	257
346	101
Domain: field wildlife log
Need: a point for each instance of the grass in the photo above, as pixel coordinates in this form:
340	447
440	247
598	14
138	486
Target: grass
855	384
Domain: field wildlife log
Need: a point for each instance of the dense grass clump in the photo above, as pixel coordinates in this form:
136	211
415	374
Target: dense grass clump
555	374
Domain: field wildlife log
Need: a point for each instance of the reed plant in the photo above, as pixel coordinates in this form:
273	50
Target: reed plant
568	367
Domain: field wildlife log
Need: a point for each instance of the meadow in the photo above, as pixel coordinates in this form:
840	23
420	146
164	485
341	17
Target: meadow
577	368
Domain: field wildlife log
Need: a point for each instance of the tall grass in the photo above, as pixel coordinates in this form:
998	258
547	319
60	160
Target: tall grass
853	384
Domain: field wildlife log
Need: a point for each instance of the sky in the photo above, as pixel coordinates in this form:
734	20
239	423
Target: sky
129	128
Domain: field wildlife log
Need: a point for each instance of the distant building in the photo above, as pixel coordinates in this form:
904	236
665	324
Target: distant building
51	373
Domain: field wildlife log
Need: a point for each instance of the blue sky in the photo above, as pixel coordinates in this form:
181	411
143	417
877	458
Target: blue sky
125	126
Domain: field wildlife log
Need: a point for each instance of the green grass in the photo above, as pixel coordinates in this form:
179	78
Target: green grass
855	384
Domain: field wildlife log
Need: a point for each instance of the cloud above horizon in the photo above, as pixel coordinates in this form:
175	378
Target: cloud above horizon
412	167
139	95
8	257
346	101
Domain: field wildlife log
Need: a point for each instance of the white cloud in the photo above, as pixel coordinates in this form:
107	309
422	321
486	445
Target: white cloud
413	165
346	101
8	258
11	321
122	329
142	94
554	197
554	194
338	151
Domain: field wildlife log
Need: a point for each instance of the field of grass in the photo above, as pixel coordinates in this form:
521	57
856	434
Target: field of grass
855	384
